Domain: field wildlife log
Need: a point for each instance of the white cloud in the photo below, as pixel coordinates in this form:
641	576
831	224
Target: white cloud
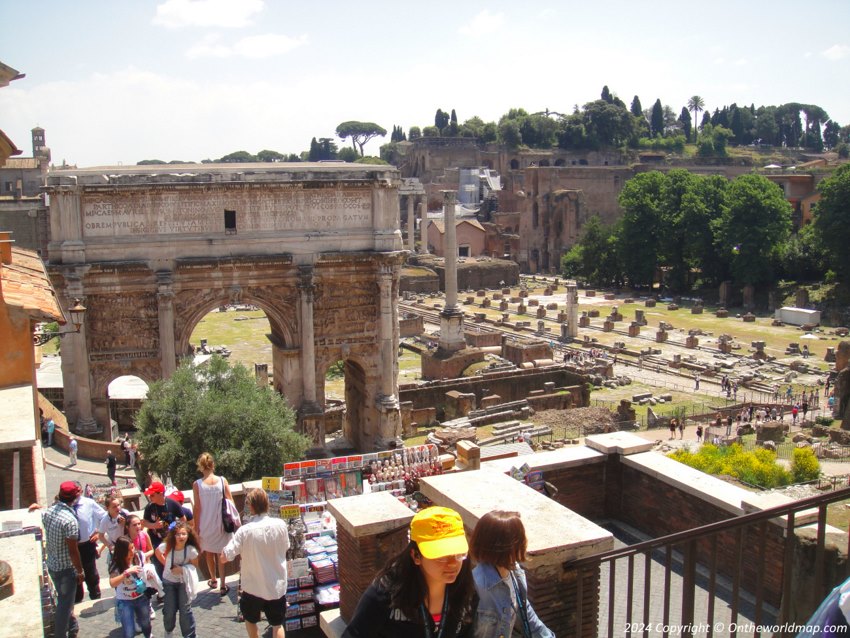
174	14
836	52
255	47
740	62
483	24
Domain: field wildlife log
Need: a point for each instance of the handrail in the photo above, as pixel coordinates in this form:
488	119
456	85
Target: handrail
719	526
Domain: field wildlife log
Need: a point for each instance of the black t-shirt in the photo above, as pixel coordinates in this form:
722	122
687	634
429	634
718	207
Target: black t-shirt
169	513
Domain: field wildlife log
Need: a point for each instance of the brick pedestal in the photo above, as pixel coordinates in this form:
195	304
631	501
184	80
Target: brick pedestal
371	529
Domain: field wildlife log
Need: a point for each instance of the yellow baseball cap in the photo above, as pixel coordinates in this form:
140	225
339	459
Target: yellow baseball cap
438	531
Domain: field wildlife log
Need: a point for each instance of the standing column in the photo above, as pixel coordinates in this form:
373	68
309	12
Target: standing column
450	248
385	334
411	225
308	342
451	318
165	310
423	225
75	366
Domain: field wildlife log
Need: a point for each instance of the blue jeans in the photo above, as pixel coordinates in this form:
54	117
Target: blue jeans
176	600
65	583
133	612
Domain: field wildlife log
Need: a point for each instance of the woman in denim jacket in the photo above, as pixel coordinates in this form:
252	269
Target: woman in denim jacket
498	545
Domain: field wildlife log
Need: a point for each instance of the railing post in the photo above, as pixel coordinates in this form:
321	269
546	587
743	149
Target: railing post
688	584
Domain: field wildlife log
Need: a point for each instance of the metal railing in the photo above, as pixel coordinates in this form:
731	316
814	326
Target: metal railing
720	580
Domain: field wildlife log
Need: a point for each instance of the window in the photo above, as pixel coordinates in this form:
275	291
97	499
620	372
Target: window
230	222
463	251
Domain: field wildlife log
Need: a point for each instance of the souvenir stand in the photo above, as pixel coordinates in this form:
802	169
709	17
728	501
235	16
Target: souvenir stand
300	496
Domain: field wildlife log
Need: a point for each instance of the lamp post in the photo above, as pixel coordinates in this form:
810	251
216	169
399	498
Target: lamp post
77	313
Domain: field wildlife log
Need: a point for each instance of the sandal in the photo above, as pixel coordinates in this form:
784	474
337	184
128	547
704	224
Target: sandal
224	590
212	583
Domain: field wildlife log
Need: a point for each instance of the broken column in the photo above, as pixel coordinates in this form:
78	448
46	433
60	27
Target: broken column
411	225
423	227
572	309
451	318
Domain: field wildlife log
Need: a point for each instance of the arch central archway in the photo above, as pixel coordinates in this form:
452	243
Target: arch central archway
316	247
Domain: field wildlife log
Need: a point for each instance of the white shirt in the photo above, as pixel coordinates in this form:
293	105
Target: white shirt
262	543
177	558
89	514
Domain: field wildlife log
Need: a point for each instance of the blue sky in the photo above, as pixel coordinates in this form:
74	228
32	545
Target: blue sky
117	81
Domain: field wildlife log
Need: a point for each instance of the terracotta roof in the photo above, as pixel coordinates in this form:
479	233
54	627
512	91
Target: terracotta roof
7	148
441	225
25	284
21	162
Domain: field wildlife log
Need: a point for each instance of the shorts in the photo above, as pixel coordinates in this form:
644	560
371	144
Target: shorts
251	606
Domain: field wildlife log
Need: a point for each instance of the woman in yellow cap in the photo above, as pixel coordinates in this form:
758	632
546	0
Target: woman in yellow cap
427	591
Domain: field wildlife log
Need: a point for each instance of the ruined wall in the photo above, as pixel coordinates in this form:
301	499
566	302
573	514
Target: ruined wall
511	386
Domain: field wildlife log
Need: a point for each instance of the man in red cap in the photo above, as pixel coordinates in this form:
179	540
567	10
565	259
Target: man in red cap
62	532
160	512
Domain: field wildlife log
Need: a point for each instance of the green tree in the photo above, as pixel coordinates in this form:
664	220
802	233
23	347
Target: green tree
656	120
638	236
150	162
832	219
588	257
453	127
347	155
804	256
701	206
441	119
430	131
607	124
414	133
636	109
606	95
677	184
323	149
509	133
219	409
831	132
696	104
685	121
753	227
237	157
270	156
490	132
359	132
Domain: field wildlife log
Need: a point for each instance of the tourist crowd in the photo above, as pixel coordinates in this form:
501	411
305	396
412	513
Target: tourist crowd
429	589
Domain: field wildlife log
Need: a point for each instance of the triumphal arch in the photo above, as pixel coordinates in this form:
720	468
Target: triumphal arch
152	249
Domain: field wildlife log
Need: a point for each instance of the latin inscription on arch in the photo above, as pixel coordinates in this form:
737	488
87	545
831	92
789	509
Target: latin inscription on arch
187	212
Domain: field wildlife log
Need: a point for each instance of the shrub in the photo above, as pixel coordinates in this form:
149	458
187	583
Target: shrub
824	420
804	465
758	467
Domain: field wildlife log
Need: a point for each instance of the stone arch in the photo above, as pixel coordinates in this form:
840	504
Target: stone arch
315	249
514	164
282	328
544	163
560	162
